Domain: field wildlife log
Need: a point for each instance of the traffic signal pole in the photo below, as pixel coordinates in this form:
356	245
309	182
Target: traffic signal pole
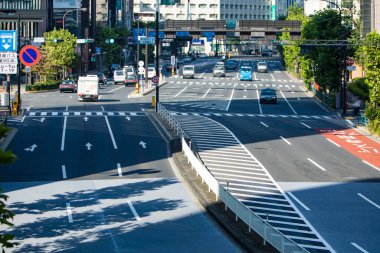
157	53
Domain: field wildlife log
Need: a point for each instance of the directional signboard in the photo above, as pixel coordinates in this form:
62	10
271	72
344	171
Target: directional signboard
8	63
8	40
146	40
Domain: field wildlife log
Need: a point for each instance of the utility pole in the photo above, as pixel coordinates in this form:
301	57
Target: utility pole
157	53
146	57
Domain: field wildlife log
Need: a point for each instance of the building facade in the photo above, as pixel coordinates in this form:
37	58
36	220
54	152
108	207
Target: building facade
212	10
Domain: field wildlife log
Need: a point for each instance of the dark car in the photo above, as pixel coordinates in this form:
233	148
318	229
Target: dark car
268	96
231	65
266	53
102	79
131	80
68	85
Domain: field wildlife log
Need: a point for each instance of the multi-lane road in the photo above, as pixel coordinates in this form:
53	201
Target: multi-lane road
92	174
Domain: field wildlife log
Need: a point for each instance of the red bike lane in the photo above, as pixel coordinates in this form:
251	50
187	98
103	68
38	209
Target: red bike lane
355	143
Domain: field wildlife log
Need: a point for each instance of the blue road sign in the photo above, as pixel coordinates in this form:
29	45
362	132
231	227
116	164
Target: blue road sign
161	34
207	34
182	34
209	39
8	40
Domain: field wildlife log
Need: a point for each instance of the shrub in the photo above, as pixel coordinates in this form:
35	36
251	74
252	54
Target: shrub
3	130
48	85
374	127
359	88
372	112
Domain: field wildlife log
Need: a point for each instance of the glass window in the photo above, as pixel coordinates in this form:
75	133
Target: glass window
193	5
231	15
254	16
214	16
268	16
180	5
255	7
236	6
222	6
213	6
202	5
202	15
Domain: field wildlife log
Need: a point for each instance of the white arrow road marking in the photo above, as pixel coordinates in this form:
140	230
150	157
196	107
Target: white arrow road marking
63	134
128	118
31	148
88	145
64	171
133	210
42	119
69	212
119	170
143	144
85	119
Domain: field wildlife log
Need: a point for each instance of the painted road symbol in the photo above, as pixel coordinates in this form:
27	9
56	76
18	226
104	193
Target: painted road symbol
29	55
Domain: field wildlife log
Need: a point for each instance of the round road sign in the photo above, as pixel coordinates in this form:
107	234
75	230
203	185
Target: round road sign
29	55
155	79
141	63
141	70
350	61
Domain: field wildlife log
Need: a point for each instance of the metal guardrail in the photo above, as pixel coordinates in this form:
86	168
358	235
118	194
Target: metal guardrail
4	120
362	120
253	221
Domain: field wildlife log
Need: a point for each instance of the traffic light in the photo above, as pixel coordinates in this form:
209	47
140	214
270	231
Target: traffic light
58	40
89	40
110	41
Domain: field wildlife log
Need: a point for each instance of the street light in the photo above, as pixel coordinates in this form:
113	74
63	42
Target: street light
64	15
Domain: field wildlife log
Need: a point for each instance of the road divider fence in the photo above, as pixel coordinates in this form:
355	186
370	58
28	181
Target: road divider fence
252	220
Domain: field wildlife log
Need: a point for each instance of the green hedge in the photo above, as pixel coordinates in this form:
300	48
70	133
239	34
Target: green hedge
49	85
359	88
374	127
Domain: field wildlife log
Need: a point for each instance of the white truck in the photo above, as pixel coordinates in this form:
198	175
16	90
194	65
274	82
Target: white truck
88	88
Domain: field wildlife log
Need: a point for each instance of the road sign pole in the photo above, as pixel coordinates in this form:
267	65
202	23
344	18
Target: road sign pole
18	68
157	53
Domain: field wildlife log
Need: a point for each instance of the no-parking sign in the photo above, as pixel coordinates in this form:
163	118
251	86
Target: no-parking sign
155	80
29	55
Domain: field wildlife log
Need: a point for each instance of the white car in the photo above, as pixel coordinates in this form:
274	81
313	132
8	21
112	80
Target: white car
129	70
262	66
119	77
188	71
151	72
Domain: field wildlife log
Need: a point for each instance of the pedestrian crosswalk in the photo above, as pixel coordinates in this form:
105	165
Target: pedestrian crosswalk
295	116
233	84
81	113
234	78
248	180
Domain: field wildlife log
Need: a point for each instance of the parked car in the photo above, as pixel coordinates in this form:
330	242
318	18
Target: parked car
186	59
268	96
129	70
130	80
262	66
219	71
188	71
245	73
119	77
102	79
68	85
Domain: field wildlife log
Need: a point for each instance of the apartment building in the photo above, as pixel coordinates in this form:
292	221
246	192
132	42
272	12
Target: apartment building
215	10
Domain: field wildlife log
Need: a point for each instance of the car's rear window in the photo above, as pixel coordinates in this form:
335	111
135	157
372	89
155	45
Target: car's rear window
129	69
245	69
268	92
188	68
131	77
219	67
119	72
262	63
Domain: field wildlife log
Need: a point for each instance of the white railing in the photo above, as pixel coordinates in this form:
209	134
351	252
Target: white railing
253	221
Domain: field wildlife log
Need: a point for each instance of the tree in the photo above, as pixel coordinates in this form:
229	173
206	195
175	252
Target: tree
60	51
112	51
292	56
327	61
371	53
5	215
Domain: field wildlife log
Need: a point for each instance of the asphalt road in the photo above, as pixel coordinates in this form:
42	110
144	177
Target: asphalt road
332	180
95	177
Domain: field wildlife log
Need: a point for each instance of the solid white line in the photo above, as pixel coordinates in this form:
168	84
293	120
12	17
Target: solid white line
291	107
110	130
67	107
118	88
119	170
336	144
133	210
206	93
359	248
102	108
63	134
229	101
272	77
237	75
373	166
298	201
288	142
349	122
370	201
316	164
264	124
23	118
202	74
305	125
258	101
64	172
180	92
69	213
254	75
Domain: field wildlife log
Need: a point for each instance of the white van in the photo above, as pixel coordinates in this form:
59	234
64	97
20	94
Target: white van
188	71
119	77
88	88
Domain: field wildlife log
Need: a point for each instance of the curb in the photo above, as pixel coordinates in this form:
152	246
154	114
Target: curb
133	94
4	142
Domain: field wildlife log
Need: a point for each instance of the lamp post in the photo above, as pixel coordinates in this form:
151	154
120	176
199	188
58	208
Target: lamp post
67	12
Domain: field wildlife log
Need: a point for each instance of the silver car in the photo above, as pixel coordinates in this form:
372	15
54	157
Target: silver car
188	71
219	71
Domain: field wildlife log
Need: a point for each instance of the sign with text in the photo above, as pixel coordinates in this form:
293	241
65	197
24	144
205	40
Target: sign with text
146	40
8	63
67	4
